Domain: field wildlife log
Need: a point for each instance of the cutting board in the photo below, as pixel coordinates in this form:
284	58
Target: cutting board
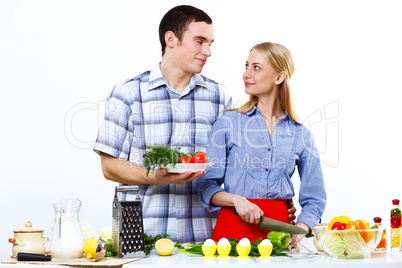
80	262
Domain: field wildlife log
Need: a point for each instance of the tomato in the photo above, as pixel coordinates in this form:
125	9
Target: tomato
184	159
199	157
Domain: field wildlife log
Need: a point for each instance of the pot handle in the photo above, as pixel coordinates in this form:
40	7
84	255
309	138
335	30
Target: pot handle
45	240
16	241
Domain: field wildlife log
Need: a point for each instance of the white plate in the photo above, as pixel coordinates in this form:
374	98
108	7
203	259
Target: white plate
182	168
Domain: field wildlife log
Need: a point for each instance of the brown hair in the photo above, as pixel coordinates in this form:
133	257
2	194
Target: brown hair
177	19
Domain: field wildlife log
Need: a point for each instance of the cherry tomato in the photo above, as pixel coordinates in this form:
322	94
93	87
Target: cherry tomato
199	157
184	159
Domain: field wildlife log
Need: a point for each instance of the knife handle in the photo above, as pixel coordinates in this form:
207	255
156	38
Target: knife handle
235	212
33	257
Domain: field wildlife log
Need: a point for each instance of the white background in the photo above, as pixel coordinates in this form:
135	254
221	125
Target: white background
60	59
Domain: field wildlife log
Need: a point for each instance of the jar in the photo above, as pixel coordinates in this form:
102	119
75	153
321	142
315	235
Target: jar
396	226
28	240
382	246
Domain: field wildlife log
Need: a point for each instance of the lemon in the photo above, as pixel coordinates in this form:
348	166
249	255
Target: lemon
164	246
90	248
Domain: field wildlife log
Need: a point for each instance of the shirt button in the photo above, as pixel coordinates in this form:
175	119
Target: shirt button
269	149
266	169
264	189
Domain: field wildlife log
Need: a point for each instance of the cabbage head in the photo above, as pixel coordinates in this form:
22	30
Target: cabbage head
355	244
333	243
106	234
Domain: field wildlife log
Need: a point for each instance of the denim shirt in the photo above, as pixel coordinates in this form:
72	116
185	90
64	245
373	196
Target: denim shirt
251	163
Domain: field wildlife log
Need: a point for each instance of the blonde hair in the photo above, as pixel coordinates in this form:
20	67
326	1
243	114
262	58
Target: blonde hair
280	58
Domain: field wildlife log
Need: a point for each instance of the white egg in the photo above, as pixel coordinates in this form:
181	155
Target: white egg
223	242
209	242
244	242
266	242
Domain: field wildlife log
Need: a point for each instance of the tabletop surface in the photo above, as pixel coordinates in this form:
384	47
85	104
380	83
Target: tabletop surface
308	257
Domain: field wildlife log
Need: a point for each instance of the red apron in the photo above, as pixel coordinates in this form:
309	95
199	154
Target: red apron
229	225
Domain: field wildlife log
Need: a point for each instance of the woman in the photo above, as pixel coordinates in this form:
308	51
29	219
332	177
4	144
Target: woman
255	149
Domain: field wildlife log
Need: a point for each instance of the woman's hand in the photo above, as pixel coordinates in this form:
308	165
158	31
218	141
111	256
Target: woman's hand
248	211
295	239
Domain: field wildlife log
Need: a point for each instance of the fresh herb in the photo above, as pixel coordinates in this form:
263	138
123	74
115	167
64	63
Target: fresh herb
159	156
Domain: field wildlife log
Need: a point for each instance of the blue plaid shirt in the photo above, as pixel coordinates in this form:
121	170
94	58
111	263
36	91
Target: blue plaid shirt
253	164
145	111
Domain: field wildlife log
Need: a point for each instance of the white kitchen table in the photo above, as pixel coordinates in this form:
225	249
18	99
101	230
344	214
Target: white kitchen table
304	259
301	260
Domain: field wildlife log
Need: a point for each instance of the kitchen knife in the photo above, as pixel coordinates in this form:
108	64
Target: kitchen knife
278	226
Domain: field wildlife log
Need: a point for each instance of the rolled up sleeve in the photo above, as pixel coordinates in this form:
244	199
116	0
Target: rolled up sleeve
217	149
312	196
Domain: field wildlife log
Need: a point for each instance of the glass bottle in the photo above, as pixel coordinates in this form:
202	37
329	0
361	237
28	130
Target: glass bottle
396	229
382	246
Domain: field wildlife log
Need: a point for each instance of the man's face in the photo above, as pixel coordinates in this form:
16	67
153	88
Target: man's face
192	52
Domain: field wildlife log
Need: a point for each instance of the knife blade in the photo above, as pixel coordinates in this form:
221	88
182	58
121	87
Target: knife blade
279	226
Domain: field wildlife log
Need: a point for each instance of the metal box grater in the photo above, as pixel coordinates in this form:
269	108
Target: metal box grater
127	225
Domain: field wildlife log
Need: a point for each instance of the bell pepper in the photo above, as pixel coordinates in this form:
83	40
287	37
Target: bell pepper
279	239
341	219
361	225
338	226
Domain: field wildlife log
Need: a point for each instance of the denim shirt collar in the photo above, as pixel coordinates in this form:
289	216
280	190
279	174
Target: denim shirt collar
255	110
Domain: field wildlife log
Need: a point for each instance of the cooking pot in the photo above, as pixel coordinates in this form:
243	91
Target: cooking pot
28	240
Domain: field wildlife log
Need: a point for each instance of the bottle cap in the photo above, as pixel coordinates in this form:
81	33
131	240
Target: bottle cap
377	220
395	202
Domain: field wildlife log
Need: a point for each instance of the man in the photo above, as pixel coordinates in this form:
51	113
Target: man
171	105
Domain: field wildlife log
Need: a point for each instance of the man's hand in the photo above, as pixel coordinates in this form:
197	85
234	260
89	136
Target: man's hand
162	177
291	211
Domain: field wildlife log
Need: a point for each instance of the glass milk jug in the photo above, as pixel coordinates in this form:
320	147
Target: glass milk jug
67	239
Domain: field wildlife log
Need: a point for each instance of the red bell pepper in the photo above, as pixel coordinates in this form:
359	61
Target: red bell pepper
338	226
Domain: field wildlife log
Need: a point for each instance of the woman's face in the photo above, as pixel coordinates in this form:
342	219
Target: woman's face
259	77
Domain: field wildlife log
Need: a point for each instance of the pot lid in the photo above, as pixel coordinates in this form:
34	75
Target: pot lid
28	229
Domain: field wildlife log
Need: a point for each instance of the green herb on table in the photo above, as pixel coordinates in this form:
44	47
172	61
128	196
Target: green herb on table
159	156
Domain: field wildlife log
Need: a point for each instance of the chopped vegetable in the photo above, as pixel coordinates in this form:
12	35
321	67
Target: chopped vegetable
279	239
